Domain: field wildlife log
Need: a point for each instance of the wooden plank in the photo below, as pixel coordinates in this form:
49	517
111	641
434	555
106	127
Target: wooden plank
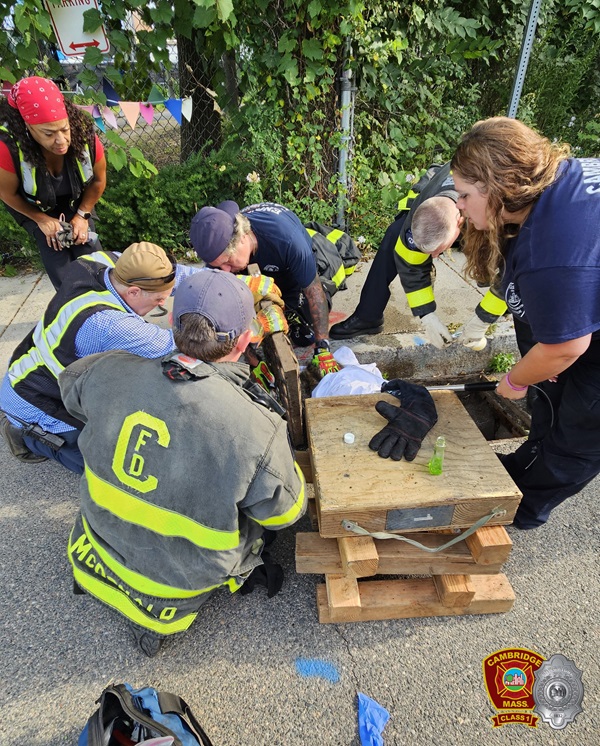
342	593
464	515
490	545
304	462
284	366
353	482
320	556
454	590
405	599
313	516
358	556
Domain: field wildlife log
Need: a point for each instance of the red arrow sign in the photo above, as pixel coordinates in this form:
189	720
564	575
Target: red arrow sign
94	43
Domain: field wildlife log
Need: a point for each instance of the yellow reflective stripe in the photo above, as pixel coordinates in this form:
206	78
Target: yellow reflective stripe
55	331
45	349
334	235
162	521
28	174
142	583
99	256
339	276
403	203
492	304
17	371
86	170
120	601
420	297
290	515
47	340
409	256
350	270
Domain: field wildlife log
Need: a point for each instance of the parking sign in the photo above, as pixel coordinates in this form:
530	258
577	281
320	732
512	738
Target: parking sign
67	21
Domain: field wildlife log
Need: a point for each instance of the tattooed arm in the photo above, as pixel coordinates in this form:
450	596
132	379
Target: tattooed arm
319	311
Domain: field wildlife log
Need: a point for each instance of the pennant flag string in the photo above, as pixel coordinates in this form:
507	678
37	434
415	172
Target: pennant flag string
131	110
186	108
173	105
109	117
147	112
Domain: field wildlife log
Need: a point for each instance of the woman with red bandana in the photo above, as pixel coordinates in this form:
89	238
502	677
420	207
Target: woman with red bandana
51	164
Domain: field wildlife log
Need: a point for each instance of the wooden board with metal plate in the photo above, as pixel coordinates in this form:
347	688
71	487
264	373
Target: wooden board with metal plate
353	483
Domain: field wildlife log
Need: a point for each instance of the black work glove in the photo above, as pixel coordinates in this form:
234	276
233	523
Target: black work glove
407	424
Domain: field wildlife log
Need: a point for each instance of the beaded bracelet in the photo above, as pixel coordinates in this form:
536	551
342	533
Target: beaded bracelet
512	386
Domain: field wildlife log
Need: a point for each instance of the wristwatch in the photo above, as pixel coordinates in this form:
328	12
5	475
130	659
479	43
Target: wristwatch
322	344
84	215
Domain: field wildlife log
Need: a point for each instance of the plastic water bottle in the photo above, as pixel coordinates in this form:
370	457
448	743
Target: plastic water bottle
436	464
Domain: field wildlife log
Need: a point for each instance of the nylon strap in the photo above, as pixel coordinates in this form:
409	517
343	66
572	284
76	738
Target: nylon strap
356	529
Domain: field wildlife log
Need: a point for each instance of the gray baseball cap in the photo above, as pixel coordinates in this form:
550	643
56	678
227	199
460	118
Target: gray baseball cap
222	298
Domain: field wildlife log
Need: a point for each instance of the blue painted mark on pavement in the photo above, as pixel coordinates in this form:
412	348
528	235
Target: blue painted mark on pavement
318	668
419	341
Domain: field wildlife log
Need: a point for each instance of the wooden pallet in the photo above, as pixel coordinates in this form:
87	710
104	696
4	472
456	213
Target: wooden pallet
464	579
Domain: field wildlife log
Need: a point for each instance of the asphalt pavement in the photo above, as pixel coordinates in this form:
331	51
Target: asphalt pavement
257	671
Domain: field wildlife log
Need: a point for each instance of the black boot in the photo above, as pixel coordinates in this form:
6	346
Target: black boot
354	326
148	642
14	440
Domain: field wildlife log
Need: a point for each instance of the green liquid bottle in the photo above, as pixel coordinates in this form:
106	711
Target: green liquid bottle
436	465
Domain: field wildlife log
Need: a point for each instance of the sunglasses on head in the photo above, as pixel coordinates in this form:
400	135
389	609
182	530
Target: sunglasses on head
168	278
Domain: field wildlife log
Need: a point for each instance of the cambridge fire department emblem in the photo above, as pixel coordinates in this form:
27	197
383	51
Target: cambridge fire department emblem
509	677
558	691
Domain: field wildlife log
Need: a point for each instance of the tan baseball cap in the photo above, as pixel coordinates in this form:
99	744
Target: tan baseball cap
146	266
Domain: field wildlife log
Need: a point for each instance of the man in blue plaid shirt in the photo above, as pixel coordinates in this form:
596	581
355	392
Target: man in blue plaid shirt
99	307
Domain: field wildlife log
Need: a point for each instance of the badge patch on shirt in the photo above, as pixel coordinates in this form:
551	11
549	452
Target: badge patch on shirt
513	301
270	268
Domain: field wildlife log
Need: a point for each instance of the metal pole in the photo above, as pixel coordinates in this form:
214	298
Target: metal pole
345	95
526	45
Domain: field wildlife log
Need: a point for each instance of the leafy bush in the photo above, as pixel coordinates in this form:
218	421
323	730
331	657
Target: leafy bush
160	208
17	248
502	362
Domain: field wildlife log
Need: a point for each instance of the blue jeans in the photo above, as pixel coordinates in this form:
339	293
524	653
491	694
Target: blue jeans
68	454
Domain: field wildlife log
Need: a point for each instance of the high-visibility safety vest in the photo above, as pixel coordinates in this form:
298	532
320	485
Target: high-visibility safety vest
50	346
181	479
35	184
336	254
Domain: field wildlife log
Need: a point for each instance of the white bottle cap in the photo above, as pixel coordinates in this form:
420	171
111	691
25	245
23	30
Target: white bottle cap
349	438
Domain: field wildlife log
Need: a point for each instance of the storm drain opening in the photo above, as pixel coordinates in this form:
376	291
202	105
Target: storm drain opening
496	417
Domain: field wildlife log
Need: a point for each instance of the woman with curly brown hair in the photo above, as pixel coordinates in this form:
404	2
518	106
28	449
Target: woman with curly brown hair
534	227
51	164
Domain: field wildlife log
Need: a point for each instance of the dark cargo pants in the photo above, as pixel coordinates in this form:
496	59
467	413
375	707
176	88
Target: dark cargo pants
562	454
